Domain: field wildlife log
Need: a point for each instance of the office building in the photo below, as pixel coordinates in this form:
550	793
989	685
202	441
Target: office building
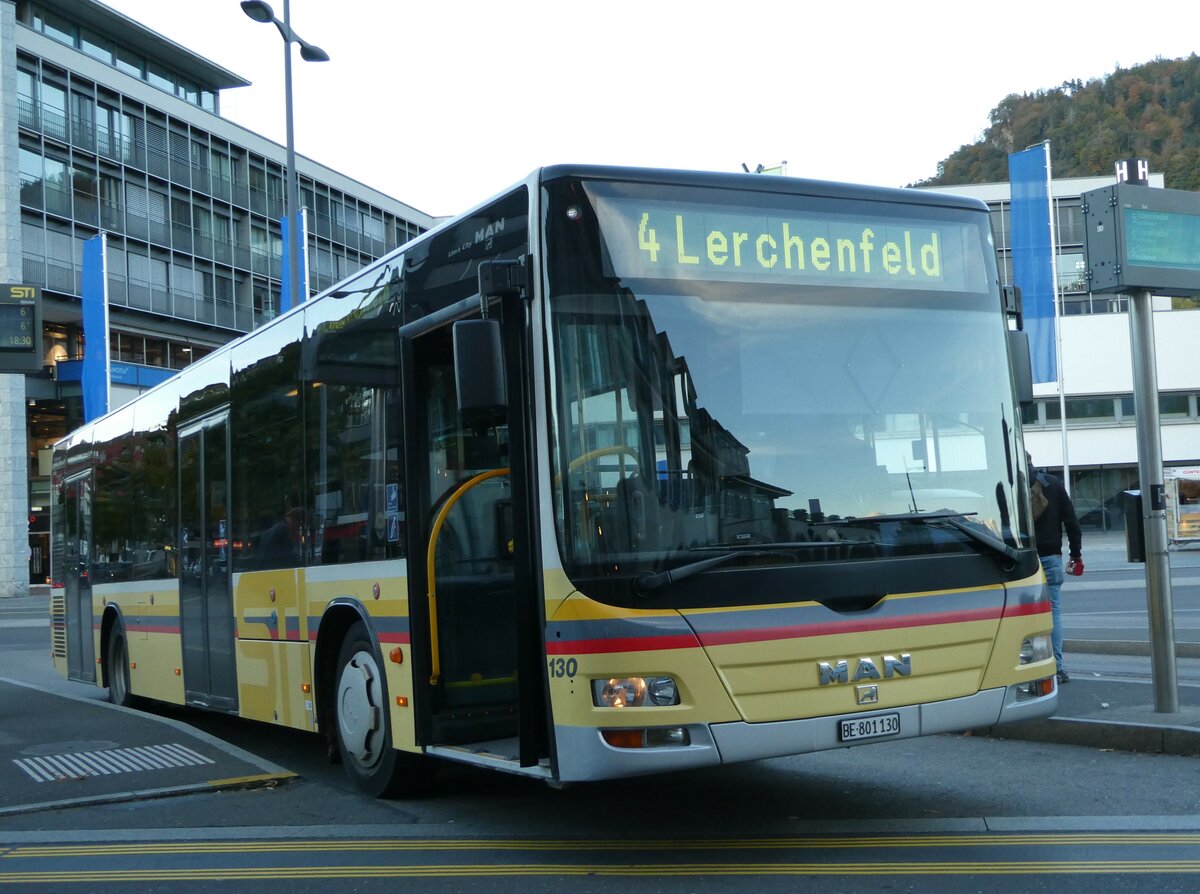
112	127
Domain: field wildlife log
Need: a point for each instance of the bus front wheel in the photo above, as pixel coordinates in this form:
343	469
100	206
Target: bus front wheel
364	730
117	668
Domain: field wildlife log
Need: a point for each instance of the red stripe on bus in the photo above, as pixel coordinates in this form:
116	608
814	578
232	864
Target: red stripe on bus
1027	608
768	634
731	637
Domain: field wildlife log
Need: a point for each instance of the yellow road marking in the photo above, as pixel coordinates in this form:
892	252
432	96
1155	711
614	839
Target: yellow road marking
982	839
1039	867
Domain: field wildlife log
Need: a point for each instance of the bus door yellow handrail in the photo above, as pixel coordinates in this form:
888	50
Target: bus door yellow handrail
438	521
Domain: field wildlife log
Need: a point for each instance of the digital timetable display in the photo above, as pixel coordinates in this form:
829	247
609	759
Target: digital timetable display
1141	238
20	328
1162	238
16	327
654	239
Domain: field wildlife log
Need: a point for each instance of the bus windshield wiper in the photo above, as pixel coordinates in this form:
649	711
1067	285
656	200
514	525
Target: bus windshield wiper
946	518
648	583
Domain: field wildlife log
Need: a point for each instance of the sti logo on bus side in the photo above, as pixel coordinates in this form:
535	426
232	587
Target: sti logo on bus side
867	669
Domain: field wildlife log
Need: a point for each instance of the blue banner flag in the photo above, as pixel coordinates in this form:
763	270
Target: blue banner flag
1032	253
95	374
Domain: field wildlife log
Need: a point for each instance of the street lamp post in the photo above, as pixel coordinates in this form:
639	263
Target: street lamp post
260	11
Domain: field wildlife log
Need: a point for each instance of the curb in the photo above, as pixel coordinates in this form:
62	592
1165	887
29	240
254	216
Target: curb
263	780
1116	735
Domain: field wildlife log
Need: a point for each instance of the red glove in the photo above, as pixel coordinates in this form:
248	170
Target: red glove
1075	567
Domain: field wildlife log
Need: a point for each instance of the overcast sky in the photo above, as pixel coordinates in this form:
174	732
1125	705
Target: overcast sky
442	103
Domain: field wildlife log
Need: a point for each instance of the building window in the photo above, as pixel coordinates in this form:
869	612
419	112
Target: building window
1070	223
55	27
27	98
96	46
1090	410
1072	272
54	111
31	178
130	63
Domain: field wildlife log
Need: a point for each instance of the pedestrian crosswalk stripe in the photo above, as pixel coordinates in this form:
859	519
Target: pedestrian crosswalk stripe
82	764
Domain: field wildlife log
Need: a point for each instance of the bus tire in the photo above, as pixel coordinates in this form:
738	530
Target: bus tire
116	665
364	729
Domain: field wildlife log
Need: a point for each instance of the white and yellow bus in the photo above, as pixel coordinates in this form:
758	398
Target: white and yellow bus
624	471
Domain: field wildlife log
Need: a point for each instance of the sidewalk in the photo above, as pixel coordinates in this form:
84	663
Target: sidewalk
127	755
77	749
1113	714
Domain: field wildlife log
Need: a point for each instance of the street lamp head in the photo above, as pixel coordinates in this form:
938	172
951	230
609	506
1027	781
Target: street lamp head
258	10
310	53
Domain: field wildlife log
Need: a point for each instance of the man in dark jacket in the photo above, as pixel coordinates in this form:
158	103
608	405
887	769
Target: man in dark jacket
1052	513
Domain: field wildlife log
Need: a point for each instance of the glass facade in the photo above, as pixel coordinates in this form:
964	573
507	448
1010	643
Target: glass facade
191	217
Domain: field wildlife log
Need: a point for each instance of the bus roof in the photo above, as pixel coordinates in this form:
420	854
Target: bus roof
762	183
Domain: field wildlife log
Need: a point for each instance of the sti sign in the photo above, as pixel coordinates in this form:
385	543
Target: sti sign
1137	238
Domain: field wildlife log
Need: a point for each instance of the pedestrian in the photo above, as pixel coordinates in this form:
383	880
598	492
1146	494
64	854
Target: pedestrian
1053	513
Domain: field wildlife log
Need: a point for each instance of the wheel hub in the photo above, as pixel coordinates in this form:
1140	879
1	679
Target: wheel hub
359	700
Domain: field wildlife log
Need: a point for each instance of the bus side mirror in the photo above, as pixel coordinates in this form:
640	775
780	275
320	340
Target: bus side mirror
1022	365
479	369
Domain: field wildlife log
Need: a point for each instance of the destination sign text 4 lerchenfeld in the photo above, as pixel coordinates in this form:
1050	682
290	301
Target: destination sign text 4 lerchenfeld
649	239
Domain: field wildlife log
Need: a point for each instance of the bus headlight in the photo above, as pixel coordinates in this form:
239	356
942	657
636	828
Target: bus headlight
1036	648
634	692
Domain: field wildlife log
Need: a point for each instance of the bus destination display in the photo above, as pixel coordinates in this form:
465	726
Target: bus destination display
651	239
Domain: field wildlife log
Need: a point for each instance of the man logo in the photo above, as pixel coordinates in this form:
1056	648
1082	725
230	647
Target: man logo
866	669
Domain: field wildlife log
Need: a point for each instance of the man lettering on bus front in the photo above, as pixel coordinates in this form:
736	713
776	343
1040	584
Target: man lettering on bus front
1052	513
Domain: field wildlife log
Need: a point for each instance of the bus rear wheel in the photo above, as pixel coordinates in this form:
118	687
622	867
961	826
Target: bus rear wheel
364	729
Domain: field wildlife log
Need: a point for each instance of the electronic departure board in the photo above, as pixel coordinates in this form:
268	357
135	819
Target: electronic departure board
20	328
1139	238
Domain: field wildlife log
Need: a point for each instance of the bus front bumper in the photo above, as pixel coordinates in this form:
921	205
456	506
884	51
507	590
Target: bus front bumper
584	756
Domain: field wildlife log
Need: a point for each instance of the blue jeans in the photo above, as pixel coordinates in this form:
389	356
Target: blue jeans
1053	566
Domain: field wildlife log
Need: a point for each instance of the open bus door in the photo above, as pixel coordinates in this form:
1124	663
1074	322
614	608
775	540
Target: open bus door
76	578
473	578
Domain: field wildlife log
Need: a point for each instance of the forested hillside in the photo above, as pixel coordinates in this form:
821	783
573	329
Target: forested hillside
1149	111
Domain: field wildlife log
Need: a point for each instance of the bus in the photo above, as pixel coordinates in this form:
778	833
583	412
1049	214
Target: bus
623	471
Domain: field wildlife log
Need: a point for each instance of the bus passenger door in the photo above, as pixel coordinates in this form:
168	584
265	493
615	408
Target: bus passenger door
460	483
205	595
77	580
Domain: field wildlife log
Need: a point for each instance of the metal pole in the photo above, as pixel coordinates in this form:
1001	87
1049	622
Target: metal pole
1052	212
1154	517
293	178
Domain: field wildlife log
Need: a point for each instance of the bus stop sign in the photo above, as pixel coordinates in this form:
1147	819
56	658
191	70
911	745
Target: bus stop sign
20	328
1139	238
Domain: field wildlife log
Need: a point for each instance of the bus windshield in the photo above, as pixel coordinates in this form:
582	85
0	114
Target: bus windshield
770	372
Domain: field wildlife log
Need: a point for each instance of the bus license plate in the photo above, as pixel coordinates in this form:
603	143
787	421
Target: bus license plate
869	727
